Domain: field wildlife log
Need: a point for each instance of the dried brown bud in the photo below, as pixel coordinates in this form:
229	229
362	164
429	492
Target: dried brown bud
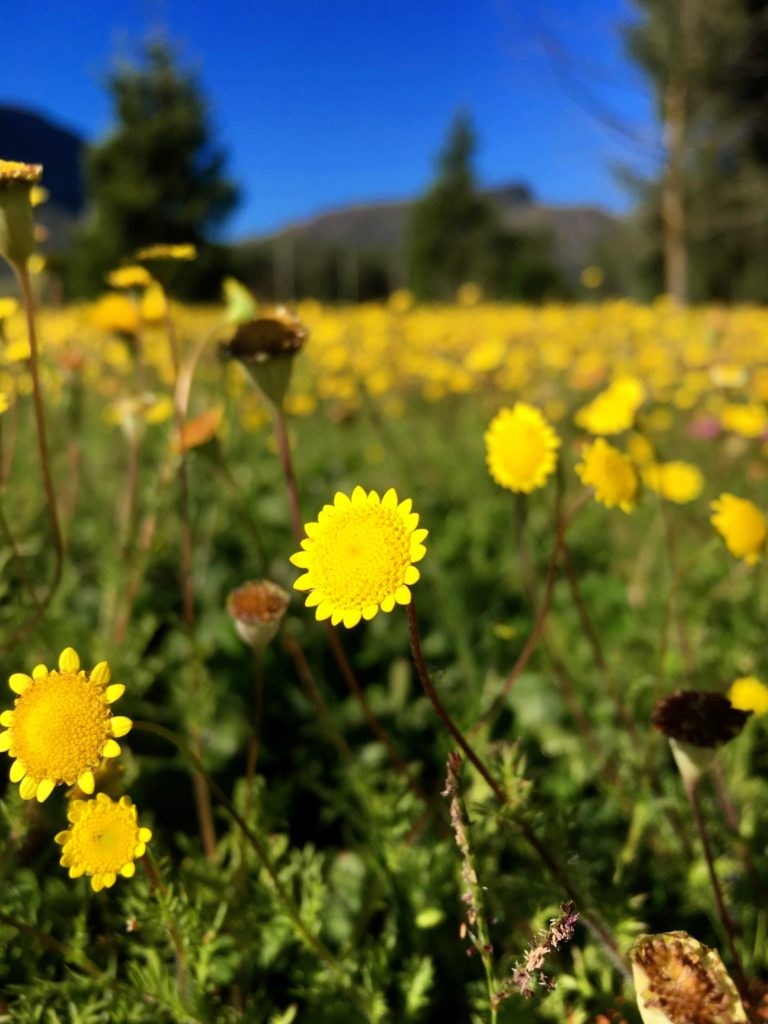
699	718
266	347
680	981
257	609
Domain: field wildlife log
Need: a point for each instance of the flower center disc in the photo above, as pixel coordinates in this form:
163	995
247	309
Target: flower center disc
363	557
104	839
60	726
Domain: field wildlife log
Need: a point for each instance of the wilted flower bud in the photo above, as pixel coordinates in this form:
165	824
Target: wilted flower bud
17	229
257	609
266	347
680	981
696	723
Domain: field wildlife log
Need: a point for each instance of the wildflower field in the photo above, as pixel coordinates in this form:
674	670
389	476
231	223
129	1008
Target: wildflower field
248	780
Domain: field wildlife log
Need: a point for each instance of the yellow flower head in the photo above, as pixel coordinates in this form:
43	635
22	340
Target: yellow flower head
167	252
611	473
613	410
103	840
745	420
61	725
129	277
749	694
14	172
742	526
521	448
359	556
676	481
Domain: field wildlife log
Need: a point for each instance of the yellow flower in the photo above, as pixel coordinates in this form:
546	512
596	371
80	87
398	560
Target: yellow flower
61	725
129	277
613	410
521	448
115	313
167	252
676	481
359	556
611	473
742	526
103	840
749	694
8	307
746	420
12	171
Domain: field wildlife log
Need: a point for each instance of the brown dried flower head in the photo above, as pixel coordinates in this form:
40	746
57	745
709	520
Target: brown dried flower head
678	980
699	718
266	337
257	609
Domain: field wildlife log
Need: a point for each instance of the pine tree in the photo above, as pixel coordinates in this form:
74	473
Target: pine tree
157	177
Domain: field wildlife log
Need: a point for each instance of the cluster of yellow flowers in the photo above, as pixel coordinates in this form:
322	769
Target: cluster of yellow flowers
59	731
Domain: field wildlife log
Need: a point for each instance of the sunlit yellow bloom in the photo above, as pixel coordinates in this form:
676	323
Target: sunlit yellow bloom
115	313
742	526
676	481
61	725
167	252
611	473
359	556
38	195
613	410
12	171
129	277
521	448
749	694
8	307
746	420
103	840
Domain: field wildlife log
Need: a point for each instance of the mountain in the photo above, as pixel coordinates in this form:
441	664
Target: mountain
577	232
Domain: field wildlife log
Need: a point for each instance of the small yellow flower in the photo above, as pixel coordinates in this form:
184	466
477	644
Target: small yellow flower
103	840
14	171
746	420
359	556
521	448
749	694
129	277
613	410
611	473
61	725
676	481
167	252
742	526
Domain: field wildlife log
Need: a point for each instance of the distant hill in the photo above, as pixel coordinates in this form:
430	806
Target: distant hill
577	232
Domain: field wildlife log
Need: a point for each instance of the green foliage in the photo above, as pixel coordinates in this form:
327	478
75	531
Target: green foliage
157	176
455	235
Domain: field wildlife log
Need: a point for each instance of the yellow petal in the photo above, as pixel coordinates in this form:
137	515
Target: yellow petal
120	725
129	870
114	692
352	618
61	837
141	849
76	871
111	749
342	500
311	529
303	582
300	560
388	604
323	611
417	552
5	741
75	810
125	801
39	671
69	660
109	879
403	595
419	536
44	789
19	682
96	883
390	498
18	771
86	782
6	718
405	507
412	575
336	617
370	610
313	599
28	788
373	498
412	521
145	834
101	673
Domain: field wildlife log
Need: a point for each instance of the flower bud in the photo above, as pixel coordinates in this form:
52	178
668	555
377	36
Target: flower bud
266	347
17	228
257	609
678	980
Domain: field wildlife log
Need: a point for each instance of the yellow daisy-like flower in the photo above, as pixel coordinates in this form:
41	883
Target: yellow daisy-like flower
613	410
749	694
359	556
61	725
521	448
676	481
742	526
611	473
167	252
129	277
103	840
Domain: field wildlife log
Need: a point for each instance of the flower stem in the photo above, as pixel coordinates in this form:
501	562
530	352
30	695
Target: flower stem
558	873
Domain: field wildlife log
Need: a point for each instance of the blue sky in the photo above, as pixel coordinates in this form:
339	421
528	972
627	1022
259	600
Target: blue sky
322	102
